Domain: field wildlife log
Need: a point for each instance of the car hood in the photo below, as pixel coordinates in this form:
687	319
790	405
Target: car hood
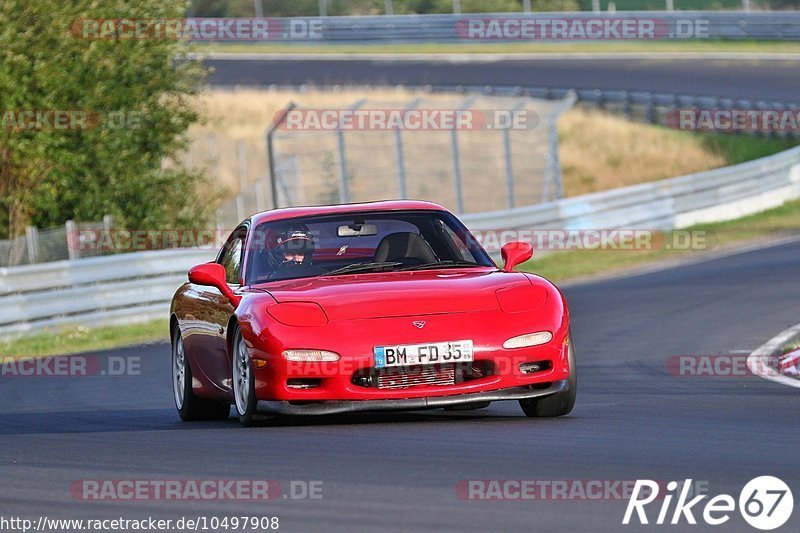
396	294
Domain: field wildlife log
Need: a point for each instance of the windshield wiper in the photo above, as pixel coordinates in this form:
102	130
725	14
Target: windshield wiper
362	267
442	264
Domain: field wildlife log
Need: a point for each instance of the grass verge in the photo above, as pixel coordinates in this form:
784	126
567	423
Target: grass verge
83	339
563	266
600	150
507	48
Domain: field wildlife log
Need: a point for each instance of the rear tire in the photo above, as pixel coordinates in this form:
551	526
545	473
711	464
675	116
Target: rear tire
191	407
558	404
243	381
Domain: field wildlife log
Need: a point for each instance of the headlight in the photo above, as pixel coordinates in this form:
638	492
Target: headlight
305	356
529	339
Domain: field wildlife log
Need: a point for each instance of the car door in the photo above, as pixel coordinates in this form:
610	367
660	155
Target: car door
209	349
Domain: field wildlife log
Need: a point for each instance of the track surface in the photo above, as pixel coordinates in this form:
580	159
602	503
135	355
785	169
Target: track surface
393	472
746	79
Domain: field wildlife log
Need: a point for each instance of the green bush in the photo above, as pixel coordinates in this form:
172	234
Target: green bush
49	176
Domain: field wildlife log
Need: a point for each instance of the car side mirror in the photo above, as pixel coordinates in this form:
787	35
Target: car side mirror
213	275
515	253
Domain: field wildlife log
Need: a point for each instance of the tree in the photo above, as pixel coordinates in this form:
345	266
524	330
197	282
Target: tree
136	103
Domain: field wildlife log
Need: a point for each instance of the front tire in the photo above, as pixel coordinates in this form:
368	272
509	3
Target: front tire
243	381
558	404
191	407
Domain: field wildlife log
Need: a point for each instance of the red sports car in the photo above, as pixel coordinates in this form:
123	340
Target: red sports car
363	307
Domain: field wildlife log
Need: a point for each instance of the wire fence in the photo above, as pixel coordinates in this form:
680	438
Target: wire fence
53	244
468	152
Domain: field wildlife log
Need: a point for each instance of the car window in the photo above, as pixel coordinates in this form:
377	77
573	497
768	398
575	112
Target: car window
231	257
326	244
458	243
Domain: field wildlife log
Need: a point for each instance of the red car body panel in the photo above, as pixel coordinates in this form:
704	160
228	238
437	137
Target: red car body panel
352	314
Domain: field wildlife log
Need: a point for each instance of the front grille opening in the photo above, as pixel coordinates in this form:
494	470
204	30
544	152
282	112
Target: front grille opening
303	383
476	370
533	367
421	375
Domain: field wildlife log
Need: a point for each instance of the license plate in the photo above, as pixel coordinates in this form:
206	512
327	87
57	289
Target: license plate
423	354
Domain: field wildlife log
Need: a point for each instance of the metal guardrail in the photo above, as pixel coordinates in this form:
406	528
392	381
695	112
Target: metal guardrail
95	291
667	25
653	107
674	203
138	286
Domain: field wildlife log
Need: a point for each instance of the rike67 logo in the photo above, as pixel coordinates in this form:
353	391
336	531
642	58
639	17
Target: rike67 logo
765	503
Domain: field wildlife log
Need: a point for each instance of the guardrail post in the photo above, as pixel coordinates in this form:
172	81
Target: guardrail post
388	7
457	7
402	184
600	100
650	109
32	240
508	167
508	160
459	190
271	176
526	6
344	177
258	9
323	8
746	6
402	187
626	104
344	180
794	133
108	222
779	107
596	6
670	6
73	241
554	166
456	171
674	105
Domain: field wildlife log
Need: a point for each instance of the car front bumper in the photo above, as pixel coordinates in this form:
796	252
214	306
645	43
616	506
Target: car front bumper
410	404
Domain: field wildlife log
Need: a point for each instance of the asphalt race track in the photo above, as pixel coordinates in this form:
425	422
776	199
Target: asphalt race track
398	472
770	80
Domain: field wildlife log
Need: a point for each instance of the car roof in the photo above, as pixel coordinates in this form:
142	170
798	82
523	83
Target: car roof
285	213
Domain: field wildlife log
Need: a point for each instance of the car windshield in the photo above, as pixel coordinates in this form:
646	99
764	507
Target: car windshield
356	243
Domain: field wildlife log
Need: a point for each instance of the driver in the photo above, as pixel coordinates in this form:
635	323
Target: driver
294	249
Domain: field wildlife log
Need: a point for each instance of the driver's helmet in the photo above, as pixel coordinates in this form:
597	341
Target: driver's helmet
294	245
